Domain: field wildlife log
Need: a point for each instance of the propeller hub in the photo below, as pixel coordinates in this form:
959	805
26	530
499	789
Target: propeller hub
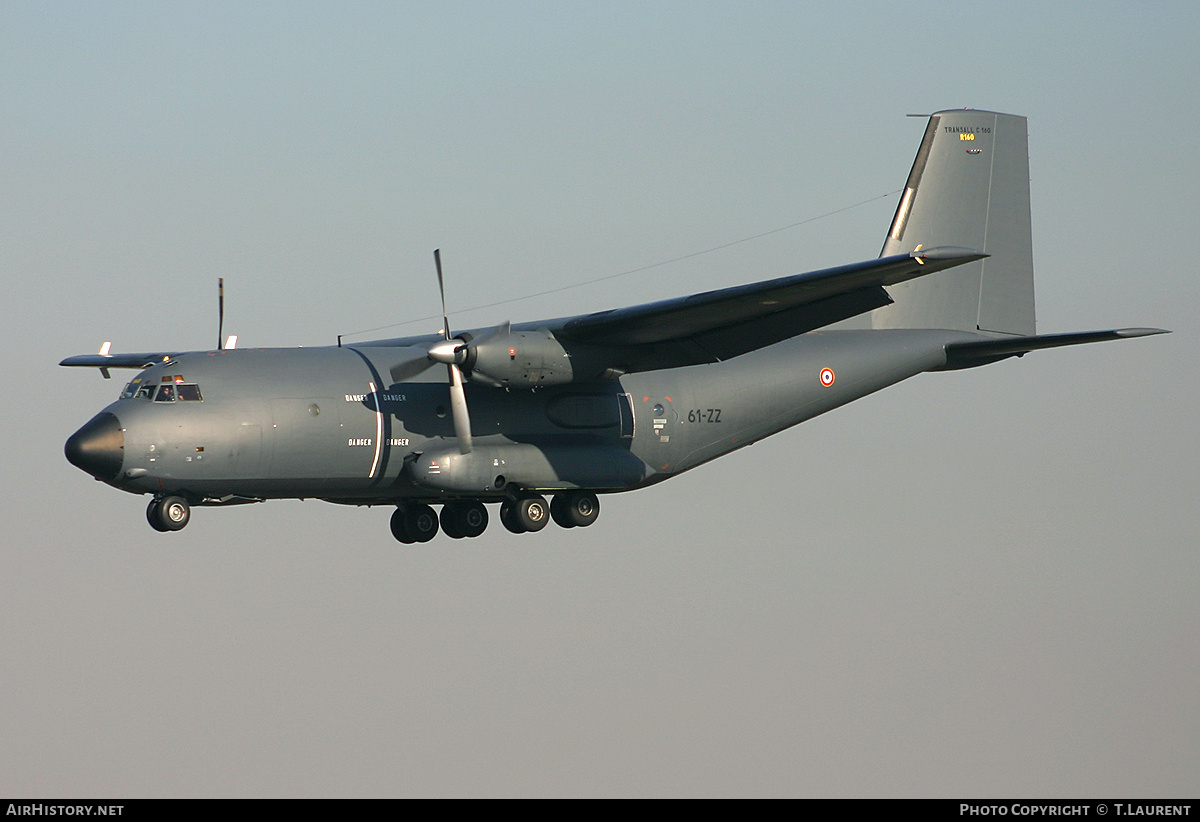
450	352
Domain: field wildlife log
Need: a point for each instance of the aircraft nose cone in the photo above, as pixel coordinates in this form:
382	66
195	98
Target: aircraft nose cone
98	447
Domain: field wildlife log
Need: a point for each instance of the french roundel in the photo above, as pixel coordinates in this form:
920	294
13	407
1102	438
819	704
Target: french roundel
827	377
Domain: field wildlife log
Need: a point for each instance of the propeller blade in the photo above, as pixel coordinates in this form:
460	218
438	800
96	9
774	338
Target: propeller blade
458	409
437	260
452	353
407	369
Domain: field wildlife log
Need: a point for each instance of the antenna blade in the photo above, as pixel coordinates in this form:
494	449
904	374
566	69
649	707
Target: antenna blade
220	311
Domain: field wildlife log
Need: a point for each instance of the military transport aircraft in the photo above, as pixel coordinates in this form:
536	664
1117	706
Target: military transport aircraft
597	403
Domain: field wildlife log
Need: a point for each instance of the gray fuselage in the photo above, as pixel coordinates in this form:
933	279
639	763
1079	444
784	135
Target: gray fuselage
325	423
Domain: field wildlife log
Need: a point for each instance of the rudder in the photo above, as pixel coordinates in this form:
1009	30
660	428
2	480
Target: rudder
968	187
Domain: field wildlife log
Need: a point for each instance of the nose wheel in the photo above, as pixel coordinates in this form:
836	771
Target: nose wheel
168	513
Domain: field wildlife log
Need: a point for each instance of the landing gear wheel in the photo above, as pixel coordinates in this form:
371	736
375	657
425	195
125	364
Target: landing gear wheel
414	523
572	509
400	528
422	522
153	518
465	518
168	514
451	521
532	513
559	513
508	517
473	518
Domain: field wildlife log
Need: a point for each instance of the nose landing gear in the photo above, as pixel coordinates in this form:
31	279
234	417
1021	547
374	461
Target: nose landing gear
168	513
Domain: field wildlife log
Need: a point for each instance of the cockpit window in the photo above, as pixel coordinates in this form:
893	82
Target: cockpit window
188	392
167	391
170	392
132	388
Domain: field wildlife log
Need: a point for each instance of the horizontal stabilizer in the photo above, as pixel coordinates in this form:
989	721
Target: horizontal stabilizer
981	352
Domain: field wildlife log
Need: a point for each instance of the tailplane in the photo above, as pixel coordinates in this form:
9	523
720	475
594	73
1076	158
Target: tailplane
969	187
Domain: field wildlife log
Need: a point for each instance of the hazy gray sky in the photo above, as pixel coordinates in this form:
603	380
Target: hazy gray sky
975	583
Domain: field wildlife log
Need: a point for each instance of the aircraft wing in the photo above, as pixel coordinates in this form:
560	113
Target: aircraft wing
105	361
718	325
706	327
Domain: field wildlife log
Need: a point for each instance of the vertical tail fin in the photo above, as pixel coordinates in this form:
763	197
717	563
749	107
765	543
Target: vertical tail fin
969	187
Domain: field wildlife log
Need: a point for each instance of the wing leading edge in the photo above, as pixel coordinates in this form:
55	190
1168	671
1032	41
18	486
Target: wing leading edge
104	360
719	325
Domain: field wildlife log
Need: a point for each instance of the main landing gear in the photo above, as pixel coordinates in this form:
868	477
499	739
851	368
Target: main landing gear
417	522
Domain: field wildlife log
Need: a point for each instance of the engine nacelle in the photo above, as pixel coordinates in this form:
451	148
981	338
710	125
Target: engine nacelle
517	359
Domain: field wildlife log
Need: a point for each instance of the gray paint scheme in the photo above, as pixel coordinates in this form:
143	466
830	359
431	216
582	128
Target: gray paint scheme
604	402
970	182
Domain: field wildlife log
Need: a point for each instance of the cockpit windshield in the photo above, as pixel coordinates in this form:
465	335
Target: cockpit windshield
133	388
170	389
